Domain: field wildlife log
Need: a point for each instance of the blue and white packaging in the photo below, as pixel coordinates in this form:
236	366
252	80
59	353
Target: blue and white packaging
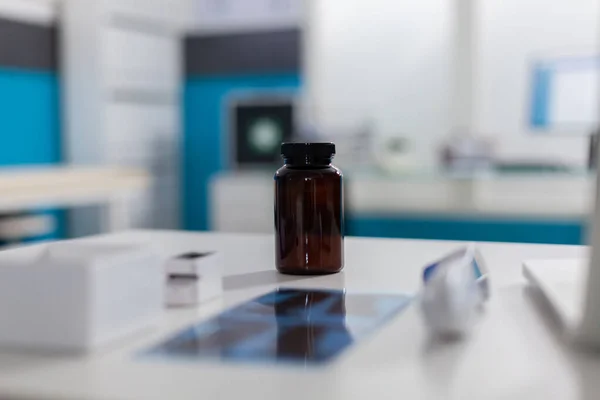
453	289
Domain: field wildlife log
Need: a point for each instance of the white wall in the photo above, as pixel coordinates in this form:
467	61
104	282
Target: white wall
390	61
385	61
514	33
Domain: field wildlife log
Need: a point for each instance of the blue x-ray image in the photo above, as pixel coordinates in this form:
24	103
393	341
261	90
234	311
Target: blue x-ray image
287	325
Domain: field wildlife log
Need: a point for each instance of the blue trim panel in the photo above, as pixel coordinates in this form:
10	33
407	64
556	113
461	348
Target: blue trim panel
454	228
30	123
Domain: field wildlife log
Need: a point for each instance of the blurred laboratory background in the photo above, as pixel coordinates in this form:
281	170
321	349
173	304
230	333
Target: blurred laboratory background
453	119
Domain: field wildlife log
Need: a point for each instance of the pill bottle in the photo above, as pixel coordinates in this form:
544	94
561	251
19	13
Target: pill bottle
309	212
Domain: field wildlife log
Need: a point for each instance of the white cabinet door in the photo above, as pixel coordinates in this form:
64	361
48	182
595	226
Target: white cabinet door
242	203
130	124
140	61
146	136
133	96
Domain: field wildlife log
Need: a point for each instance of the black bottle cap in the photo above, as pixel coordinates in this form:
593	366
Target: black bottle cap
308	151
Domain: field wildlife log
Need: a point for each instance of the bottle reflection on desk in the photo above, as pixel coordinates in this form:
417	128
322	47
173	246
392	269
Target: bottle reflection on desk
295	326
311	325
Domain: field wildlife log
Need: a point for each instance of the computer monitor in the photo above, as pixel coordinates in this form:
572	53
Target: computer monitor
565	95
258	124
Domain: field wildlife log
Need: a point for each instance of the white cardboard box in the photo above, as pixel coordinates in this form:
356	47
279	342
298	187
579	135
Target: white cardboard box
77	296
193	278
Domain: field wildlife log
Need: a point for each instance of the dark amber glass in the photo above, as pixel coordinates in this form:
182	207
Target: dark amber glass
309	214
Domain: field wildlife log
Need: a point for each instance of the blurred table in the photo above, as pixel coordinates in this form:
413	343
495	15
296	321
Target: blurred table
64	187
512	353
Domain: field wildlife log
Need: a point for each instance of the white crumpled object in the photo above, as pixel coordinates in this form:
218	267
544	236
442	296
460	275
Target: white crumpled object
454	288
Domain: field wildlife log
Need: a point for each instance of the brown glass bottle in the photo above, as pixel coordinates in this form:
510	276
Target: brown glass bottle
309	212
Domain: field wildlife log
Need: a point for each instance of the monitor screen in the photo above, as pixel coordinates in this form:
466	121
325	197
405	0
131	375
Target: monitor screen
565	95
258	129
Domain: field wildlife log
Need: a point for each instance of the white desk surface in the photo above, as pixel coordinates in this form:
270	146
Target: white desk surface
513	353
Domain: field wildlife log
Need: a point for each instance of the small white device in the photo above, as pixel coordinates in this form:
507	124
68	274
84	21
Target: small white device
453	289
571	287
193	278
76	296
